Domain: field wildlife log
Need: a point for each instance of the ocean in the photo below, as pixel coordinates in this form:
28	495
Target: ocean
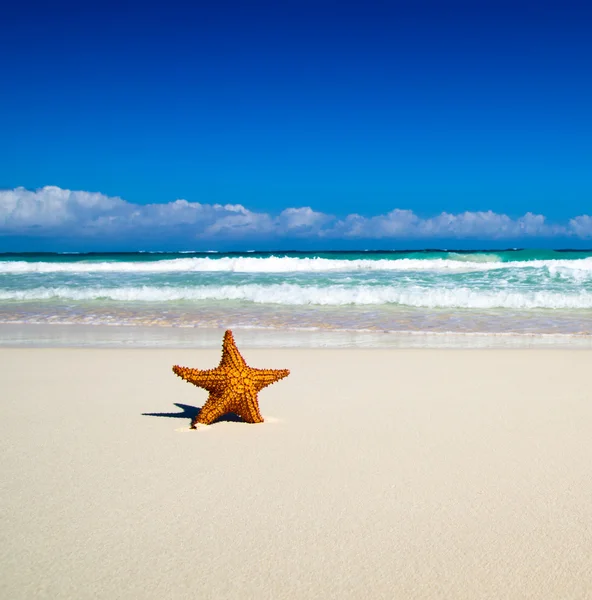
446	293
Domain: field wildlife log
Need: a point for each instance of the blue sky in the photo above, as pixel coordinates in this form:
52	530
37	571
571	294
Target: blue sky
430	107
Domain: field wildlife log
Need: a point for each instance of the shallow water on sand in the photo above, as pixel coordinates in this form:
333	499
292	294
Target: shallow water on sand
508	292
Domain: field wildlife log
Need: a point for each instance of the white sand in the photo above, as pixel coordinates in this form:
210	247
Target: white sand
379	474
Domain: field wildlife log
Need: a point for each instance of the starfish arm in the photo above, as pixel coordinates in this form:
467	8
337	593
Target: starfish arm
231	357
211	380
247	407
214	408
264	377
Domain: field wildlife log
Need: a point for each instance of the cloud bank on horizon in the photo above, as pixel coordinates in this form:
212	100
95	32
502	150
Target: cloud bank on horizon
55	212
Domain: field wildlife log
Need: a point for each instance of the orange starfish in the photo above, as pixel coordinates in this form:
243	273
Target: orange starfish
233	385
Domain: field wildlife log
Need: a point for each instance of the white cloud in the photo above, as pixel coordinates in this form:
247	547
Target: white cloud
485	225
51	207
52	211
302	220
581	226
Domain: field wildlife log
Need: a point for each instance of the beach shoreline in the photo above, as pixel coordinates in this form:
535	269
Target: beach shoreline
31	335
377	473
313	296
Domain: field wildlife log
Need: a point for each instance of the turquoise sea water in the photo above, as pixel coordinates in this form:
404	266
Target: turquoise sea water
490	292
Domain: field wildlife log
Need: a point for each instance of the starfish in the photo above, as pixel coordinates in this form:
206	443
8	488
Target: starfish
233	385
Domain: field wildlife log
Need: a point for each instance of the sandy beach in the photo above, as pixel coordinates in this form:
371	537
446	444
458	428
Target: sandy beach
378	474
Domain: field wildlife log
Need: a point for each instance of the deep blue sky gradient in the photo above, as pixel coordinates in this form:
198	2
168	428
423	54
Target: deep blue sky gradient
428	106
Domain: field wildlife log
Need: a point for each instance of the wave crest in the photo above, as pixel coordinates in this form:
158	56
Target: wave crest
295	295
275	264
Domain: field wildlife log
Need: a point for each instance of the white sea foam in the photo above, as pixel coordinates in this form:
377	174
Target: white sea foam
275	264
295	295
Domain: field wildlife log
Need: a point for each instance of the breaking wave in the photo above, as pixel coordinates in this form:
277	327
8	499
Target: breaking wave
273	264
295	295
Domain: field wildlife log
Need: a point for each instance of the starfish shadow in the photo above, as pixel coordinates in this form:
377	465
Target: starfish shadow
191	412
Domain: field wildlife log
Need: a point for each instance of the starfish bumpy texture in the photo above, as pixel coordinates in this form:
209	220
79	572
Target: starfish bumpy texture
233	385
